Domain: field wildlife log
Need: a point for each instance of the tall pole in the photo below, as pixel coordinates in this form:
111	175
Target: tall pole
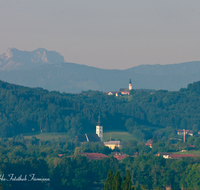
183	135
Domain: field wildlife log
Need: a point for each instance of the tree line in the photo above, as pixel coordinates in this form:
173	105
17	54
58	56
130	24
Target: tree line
26	110
59	162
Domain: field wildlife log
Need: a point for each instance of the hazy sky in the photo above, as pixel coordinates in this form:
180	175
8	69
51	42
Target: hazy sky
114	34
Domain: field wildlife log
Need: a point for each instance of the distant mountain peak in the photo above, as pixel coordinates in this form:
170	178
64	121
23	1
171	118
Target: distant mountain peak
9	53
14	59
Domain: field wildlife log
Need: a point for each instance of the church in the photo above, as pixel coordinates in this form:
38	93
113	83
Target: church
122	91
92	137
126	90
98	137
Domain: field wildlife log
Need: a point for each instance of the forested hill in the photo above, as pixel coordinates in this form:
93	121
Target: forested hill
25	110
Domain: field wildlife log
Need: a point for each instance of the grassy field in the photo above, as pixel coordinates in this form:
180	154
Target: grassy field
123	136
195	152
47	136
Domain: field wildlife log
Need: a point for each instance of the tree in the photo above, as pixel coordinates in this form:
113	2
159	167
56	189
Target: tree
117	181
109	181
126	184
78	150
56	180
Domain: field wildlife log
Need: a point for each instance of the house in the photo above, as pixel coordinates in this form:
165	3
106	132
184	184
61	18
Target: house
93	156
181	132
149	143
111	93
121	157
170	155
165	155
113	144
190	133
124	93
118	94
60	155
114	93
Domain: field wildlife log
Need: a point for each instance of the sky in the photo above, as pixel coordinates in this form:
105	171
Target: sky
109	34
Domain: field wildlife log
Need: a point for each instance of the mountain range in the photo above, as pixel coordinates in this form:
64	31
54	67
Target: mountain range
48	69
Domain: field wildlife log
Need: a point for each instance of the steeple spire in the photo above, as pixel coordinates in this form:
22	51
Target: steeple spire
130	85
99	121
99	129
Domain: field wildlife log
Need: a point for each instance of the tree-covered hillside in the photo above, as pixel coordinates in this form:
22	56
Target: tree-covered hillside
25	110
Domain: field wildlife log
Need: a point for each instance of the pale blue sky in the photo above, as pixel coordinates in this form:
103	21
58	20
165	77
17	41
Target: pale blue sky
111	34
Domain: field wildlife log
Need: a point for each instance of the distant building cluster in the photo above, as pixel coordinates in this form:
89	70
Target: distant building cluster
122	91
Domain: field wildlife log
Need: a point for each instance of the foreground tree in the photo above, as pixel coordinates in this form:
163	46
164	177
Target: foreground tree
117	181
127	184
109	181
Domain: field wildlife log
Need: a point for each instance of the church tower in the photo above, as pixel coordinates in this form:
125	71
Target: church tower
99	129
130	85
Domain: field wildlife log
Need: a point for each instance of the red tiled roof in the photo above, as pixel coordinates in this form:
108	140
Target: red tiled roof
94	156
60	155
149	143
70	156
124	92
121	157
181	155
192	146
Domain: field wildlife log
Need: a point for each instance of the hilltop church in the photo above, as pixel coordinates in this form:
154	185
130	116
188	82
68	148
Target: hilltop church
122	91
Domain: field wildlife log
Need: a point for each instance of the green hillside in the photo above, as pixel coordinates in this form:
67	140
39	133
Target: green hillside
48	136
32	110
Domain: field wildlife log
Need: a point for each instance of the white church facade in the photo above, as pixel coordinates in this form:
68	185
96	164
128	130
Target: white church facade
99	129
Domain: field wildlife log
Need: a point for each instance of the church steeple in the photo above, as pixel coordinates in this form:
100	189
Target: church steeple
99	122
130	85
99	129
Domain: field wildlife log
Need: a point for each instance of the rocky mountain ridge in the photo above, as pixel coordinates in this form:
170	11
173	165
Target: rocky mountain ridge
14	59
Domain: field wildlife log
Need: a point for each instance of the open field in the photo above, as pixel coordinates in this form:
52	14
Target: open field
116	135
47	136
195	152
123	136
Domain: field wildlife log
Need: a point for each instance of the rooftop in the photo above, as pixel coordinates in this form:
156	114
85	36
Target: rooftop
93	156
121	157
113	142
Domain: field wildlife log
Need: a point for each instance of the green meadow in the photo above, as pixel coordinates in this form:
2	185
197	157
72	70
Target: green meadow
123	136
195	152
115	135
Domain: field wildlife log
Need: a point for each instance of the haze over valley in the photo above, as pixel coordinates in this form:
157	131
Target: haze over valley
48	69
